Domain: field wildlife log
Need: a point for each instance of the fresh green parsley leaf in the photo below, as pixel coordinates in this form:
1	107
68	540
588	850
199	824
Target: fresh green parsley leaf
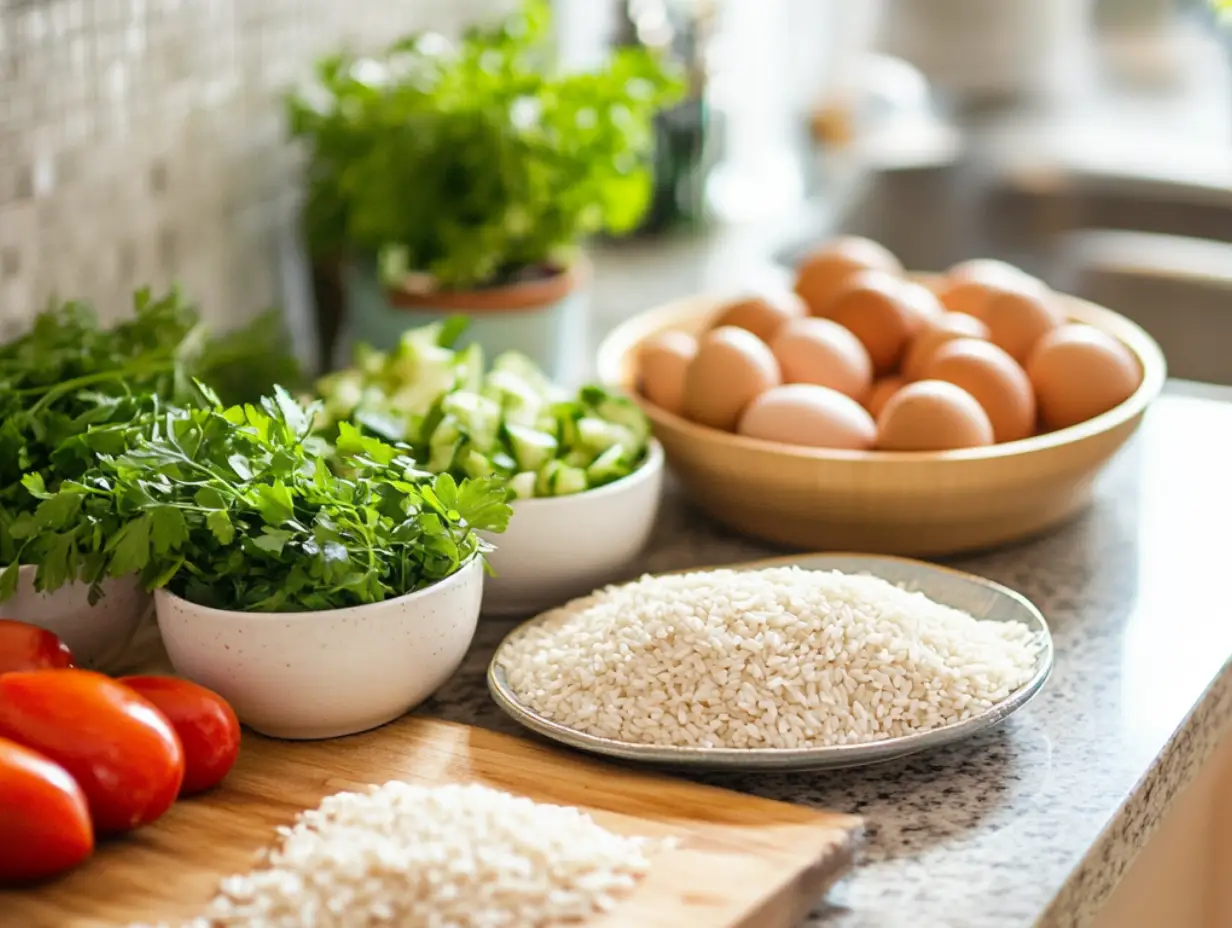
130	547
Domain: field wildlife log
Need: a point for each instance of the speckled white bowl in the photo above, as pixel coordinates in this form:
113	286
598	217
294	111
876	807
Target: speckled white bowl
309	675
560	547
98	635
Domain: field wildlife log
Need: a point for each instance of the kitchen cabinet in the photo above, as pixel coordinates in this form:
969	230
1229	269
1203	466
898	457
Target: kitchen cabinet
1175	879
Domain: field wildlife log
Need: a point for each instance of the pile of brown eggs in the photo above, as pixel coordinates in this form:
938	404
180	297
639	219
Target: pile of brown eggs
860	357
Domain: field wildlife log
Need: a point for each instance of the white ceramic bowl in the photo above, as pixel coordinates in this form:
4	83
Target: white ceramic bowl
97	635
560	547
308	675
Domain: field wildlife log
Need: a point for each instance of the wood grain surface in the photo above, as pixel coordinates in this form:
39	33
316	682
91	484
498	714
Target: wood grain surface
740	862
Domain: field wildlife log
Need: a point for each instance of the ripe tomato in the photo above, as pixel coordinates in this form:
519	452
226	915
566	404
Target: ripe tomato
120	749
44	820
27	647
206	725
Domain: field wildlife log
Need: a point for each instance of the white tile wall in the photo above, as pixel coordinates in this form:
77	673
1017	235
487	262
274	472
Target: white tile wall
141	142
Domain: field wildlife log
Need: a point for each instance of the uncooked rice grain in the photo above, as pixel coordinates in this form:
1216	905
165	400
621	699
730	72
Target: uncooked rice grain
775	658
434	857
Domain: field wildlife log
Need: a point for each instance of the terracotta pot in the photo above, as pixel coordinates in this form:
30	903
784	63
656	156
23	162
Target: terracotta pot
542	318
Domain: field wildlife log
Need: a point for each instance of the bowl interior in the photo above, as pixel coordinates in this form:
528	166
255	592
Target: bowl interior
617	366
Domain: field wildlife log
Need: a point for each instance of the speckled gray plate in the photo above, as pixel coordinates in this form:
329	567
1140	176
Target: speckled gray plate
975	595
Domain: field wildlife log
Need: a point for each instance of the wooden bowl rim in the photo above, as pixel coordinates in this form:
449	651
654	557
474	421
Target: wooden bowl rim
625	338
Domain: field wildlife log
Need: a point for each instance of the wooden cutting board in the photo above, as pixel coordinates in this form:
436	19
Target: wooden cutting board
741	861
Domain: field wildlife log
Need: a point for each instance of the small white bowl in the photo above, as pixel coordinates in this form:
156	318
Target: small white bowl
309	675
560	547
97	635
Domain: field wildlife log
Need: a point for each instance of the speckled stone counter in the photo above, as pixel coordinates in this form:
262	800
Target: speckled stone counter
1033	823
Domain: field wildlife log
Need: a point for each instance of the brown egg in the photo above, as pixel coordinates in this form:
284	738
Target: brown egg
967	287
763	314
662	362
822	352
921	303
731	368
1079	373
825	272
932	415
884	313
996	381
987	269
1017	319
945	328
882	390
809	415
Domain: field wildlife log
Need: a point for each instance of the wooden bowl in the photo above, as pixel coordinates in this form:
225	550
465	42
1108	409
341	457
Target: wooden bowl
920	504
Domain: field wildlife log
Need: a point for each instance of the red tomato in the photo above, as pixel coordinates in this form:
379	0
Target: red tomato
27	647
205	723
44	820
120	749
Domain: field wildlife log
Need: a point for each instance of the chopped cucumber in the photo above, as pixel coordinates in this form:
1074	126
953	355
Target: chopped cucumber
569	480
517	399
556	478
470	368
598	436
475	464
504	462
510	421
444	444
531	448
522	485
478	415
610	466
526	370
579	457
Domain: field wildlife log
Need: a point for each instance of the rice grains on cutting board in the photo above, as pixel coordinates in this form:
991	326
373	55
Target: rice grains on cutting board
775	658
434	857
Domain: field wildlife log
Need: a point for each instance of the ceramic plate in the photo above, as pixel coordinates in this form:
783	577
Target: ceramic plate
975	595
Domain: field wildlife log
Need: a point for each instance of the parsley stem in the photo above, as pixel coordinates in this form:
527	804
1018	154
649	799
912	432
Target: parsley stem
122	374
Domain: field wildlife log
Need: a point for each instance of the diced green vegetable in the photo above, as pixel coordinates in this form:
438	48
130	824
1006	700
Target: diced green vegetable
579	457
444	445
478	415
511	422
569	480
611	465
475	464
556	478
531	448
522	485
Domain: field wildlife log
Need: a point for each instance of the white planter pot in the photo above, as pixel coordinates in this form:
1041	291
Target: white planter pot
98	635
308	675
557	548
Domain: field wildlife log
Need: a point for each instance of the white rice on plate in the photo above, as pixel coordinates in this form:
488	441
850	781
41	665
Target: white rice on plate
776	658
434	857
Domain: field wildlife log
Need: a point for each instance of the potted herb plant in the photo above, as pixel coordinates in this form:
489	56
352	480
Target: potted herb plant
463	177
70	389
319	595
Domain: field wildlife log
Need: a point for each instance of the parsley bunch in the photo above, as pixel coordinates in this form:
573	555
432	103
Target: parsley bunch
236	508
72	389
475	162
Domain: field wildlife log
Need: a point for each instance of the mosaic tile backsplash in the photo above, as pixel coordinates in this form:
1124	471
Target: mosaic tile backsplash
142	142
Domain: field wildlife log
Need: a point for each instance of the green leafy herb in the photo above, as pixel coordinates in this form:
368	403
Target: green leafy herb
510	422
72	389
475	162
234	508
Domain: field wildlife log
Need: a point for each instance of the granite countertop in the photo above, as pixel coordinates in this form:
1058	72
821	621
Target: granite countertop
1034	823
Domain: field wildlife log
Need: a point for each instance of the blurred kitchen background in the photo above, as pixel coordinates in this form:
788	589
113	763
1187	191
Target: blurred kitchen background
144	142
